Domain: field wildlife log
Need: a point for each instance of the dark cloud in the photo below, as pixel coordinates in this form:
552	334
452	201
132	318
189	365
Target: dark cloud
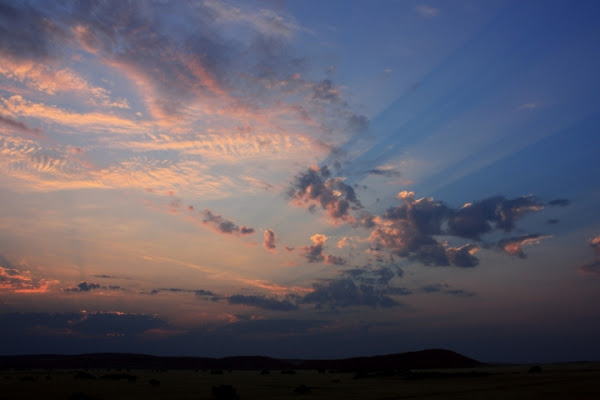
223	225
262	302
595	244
514	245
345	293
410	229
270	240
314	252
357	123
590	269
18	125
316	186
85	287
475	219
387	172
25	31
463	256
197	292
326	91
334	260
446	289
559	202
372	276
553	221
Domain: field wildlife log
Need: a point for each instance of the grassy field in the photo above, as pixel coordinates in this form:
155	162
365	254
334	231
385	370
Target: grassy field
561	381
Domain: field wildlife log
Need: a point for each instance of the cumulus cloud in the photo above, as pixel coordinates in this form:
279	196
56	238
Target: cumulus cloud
314	252
463	256
224	225
316	187
514	245
267	303
270	240
477	218
410	229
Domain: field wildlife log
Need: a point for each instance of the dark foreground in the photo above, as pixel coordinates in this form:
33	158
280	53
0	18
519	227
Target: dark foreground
560	381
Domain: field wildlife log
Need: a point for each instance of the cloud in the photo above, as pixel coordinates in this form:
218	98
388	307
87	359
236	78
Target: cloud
19	126
446	289
410	229
595	244
590	269
345	293
407	230
528	106
373	276
197	292
265	21
223	225
44	78
270	240
559	202
483	216
267	303
427	11
316	187
89	286
514	245
38	36
15	280
463	256
314	252
386	171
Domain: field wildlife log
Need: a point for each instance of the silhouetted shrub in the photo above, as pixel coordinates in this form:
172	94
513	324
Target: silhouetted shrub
82	396
84	375
288	371
265	372
28	378
154	382
361	374
216	372
224	392
536	369
118	377
302	389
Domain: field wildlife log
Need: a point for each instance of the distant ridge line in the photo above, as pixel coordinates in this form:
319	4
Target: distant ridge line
424	359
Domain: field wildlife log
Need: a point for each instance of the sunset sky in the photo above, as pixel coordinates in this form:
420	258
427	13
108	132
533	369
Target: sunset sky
306	179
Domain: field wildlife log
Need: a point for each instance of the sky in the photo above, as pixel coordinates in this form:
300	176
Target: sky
300	179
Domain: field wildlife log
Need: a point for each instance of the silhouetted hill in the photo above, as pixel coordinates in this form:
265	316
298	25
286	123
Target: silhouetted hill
425	359
435	358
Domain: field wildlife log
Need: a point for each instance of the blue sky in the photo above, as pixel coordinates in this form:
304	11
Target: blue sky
300	179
